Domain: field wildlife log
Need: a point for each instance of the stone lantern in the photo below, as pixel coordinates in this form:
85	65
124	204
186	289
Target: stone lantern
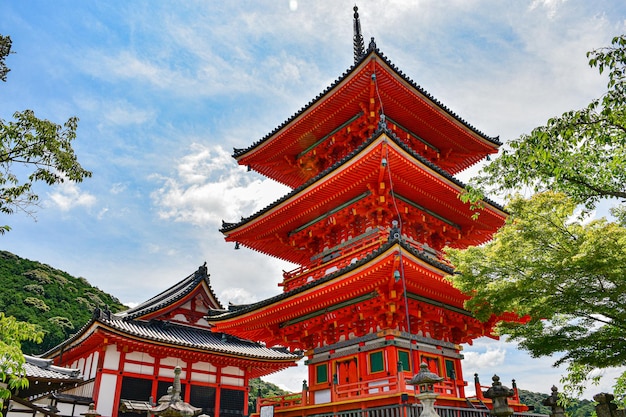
499	394
425	381
171	405
91	412
553	402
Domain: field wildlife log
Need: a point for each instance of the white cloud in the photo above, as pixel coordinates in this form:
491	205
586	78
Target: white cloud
550	6
491	357
68	195
122	113
207	187
238	296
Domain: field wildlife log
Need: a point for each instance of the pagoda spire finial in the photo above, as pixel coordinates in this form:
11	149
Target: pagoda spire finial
359	46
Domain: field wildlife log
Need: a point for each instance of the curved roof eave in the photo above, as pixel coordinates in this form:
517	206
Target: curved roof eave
166	334
243	309
227	227
238	153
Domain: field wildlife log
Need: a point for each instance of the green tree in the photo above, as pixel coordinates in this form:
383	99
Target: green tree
43	147
563	276
12	334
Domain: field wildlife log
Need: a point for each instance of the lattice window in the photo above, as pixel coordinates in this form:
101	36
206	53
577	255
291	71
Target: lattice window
231	402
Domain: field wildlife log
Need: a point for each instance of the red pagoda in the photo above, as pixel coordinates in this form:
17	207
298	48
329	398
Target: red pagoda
370	162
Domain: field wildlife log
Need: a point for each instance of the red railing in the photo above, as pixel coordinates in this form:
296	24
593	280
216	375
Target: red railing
362	390
346	254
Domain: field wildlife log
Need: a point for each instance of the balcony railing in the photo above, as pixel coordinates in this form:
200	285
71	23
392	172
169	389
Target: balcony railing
392	386
346	253
406	410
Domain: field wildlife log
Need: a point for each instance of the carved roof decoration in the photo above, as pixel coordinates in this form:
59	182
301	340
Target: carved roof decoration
359	48
403	100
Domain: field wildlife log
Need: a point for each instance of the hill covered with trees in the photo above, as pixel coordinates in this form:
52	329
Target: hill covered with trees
57	302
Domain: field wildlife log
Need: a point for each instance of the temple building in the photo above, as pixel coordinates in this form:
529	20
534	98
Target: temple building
373	201
129	358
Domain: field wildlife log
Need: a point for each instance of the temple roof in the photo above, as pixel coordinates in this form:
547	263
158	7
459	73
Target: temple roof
147	326
365	282
259	233
175	335
44	377
43	369
173	295
404	101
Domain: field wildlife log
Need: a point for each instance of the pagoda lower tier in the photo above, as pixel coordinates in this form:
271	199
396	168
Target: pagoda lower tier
397	287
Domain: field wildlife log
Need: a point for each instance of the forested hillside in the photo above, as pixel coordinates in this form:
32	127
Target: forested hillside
56	301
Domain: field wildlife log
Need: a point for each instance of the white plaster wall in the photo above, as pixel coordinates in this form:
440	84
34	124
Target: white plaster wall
198	377
106	395
167	367
139	368
140	357
94	367
203	366
322	396
232	370
88	365
81	365
111	358
227	380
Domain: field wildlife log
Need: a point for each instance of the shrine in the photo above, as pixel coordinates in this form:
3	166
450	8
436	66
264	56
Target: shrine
128	360
373	201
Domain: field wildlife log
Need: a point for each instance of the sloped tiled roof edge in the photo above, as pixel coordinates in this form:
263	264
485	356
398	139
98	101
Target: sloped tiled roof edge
195	338
179	335
40	368
170	295
495	140
242	309
230	226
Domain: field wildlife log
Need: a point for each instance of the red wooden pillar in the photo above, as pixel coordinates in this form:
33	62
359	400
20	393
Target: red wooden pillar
218	391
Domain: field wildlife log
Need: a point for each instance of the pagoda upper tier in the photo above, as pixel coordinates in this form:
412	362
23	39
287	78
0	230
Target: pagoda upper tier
345	115
382	180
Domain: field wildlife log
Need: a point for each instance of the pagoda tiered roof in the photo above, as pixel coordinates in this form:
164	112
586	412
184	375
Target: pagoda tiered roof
418	185
288	319
353	102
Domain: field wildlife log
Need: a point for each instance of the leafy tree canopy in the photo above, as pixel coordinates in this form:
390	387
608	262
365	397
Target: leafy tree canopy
33	150
581	153
12	334
565	275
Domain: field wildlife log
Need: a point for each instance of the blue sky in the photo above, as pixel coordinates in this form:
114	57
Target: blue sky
164	90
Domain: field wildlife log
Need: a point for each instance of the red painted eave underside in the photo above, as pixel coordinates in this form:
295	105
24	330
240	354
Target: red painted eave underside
411	179
402	102
377	275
